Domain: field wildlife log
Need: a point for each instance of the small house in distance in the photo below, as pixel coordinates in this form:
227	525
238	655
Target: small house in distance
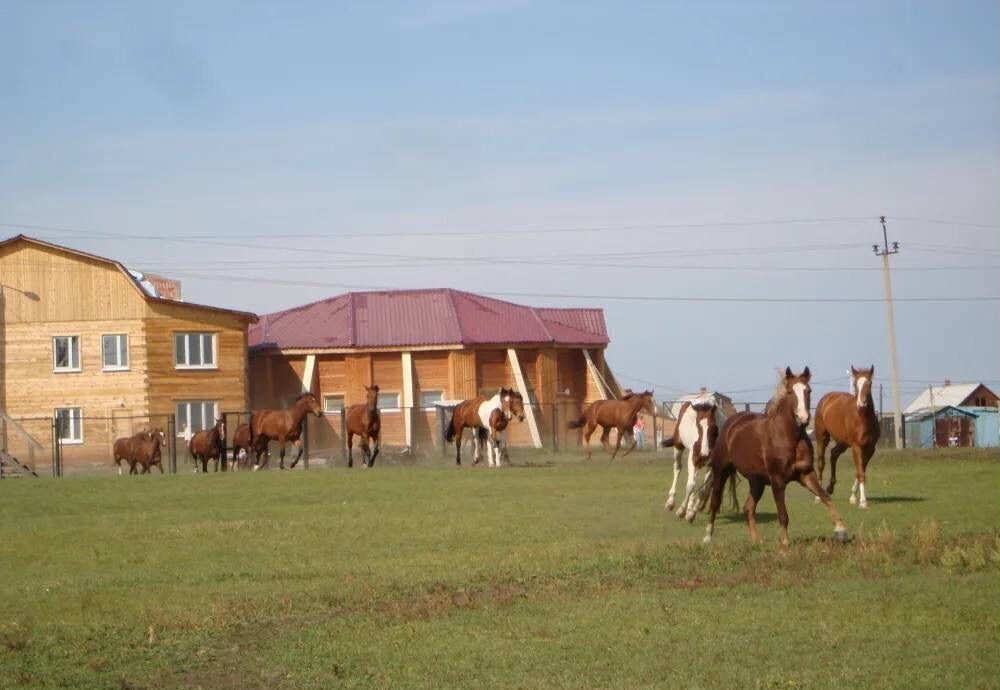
426	346
91	351
964	414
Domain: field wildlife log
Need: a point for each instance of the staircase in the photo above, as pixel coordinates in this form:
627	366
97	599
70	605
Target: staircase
11	468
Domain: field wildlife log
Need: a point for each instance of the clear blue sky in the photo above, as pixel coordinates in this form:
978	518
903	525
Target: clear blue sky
257	122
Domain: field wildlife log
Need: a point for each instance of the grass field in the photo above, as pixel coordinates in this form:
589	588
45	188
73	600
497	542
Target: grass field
556	574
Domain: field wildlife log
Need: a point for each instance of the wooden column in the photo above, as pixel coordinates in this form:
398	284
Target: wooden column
522	388
407	398
309	373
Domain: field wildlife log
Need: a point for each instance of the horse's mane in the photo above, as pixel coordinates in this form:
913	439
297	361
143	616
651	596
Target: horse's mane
780	393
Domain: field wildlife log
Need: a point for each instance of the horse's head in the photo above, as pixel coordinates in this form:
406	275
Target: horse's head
310	403
371	396
220	426
647	401
861	385
708	427
512	403
157	436
798	385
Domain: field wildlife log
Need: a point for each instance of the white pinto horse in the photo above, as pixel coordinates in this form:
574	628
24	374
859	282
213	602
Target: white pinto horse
698	420
494	415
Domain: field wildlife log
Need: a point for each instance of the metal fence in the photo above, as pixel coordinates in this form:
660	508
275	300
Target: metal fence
408	435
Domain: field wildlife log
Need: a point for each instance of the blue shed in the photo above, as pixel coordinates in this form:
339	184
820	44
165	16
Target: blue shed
987	425
953	426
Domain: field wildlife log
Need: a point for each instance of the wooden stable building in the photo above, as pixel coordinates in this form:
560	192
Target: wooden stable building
100	349
425	347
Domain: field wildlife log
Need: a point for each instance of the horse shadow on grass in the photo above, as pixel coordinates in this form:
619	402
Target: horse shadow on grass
896	499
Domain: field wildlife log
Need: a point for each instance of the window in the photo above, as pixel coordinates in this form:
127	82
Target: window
66	353
69	424
194	350
114	352
428	398
388	401
194	416
333	404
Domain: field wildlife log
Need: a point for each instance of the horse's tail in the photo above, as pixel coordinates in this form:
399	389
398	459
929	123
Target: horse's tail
577	423
667	442
734	504
449	433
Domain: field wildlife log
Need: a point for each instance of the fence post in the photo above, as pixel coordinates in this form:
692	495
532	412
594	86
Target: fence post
305	442
55	447
172	442
343	434
555	427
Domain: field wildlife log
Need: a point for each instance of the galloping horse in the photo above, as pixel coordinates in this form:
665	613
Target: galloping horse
365	422
488	419
146	449
613	414
697	429
770	449
209	444
848	418
124	449
283	426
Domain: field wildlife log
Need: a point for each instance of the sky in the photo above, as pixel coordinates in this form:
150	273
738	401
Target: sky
559	153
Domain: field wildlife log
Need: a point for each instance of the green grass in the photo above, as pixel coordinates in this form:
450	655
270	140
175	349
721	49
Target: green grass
558	574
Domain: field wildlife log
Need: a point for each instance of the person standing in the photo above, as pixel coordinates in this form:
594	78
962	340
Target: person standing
639	431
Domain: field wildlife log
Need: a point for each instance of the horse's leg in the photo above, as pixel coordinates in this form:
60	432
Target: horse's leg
477	443
366	449
298	455
718	482
281	455
687	506
810	481
822	440
778	490
376	447
859	476
835	453
669	505
750	507
350	449
588	431
605	438
458	444
618	444
632	446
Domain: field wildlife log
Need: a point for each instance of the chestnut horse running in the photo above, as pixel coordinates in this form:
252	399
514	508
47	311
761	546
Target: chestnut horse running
770	449
488	418
365	422
146	449
613	414
124	449
283	426
209	444
850	420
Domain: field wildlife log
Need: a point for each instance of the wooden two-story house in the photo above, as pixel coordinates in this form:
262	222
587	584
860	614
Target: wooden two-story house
102	351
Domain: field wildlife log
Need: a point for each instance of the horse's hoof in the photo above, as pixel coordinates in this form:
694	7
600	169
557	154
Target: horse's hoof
815	499
669	505
863	504
691	516
707	539
840	534
853	500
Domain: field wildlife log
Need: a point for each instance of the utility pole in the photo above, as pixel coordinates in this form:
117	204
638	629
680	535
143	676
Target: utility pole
884	251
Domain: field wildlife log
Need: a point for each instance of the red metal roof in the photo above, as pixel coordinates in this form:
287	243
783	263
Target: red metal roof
439	316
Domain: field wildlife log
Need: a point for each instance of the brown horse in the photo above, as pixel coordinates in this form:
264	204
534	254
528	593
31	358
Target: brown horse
241	445
124	450
365	422
850	420
613	414
209	444
146	449
488	418
283	426
770	449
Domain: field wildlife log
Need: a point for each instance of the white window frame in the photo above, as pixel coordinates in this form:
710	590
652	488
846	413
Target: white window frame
187	432
74	420
79	355
330	410
431	406
187	348
122	352
395	408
